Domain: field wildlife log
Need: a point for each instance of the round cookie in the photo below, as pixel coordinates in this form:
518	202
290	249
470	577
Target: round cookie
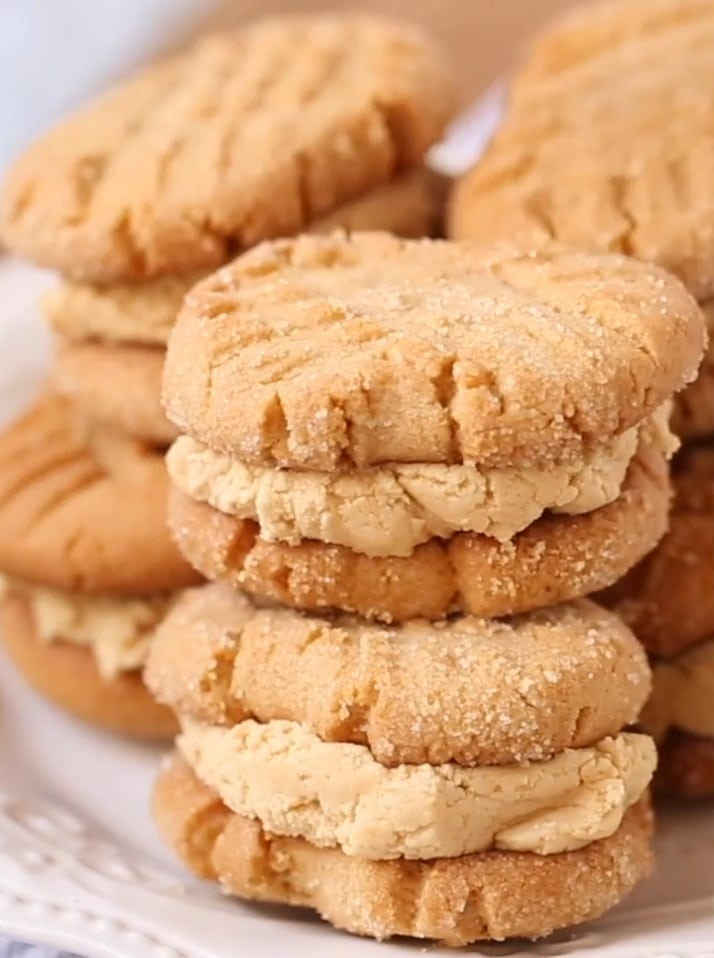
68	676
686	766
567	166
508	691
549	562
144	313
247	135
329	352
117	385
489	895
84	509
668	598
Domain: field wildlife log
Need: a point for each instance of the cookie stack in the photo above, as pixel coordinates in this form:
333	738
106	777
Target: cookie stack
424	447
286	125
566	165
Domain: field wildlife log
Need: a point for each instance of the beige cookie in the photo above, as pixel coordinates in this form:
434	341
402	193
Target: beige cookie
488	895
117	385
247	135
323	352
84	510
555	559
68	675
471	691
144	313
565	165
693	416
686	766
668	598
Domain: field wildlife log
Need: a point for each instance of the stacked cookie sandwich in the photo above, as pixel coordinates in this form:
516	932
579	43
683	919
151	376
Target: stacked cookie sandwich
608	143
286	125
427	448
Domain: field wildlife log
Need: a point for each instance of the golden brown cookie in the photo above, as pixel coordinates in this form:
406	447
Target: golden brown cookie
84	509
555	559
144	313
323	352
507	690
686	766
565	165
489	895
693	416
117	385
68	676
249	134
668	598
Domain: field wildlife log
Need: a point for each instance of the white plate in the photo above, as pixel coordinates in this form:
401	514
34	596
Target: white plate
81	867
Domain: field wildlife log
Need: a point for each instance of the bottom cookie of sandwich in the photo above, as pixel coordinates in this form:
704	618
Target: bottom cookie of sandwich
69	676
490	895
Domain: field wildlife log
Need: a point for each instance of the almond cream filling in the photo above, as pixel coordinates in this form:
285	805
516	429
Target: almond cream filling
337	794
389	510
117	631
682	694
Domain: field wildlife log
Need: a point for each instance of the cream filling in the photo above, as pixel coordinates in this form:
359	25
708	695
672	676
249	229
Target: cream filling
389	510
337	794
682	694
117	631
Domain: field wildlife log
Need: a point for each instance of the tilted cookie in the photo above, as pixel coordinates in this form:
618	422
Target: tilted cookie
668	598
332	352
68	675
247	135
117	385
336	794
507	691
488	895
555	559
144	313
567	166
83	509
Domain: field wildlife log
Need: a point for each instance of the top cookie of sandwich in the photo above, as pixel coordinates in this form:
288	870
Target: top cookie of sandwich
246	135
331	352
608	141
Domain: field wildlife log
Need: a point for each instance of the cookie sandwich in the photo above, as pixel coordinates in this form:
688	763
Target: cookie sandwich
288	124
88	569
566	165
346	404
668	599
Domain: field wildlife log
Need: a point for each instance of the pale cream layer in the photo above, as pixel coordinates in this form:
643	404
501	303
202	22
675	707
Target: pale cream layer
117	631
683	694
389	510
337	794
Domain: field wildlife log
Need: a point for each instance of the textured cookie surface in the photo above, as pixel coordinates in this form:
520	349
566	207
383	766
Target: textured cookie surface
668	598
117	385
84	510
247	135
489	895
557	558
328	351
467	690
636	178
144	313
68	676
